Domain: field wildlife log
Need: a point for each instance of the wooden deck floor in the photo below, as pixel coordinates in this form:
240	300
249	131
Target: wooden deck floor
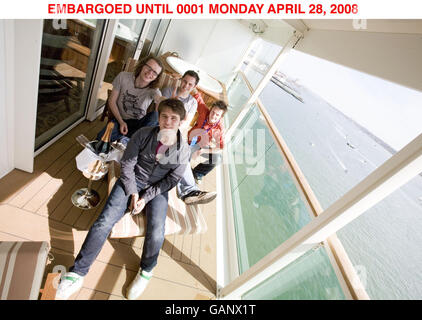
37	206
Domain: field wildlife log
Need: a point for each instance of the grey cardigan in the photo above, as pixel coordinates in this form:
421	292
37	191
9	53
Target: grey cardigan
139	164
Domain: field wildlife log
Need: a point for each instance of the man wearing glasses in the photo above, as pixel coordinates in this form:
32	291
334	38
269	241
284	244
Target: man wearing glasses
132	94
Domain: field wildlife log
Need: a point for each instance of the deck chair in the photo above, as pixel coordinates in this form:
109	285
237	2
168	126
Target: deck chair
22	266
181	219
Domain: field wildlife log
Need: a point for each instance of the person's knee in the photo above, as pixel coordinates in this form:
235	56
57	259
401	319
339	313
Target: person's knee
156	234
156	228
104	223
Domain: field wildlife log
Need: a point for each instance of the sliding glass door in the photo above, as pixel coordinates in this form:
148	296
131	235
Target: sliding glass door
68	55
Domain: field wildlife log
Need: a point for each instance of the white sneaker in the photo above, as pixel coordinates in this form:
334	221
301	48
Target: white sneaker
71	283
138	284
199	197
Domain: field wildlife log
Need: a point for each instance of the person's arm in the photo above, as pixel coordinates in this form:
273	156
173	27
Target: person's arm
117	87
112	104
169	181
213	146
184	127
158	97
209	150
129	161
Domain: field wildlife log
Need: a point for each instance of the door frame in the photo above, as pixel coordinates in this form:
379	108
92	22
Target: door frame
89	80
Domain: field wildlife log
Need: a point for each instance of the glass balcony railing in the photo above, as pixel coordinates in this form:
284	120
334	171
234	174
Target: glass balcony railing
237	94
311	277
271	201
268	208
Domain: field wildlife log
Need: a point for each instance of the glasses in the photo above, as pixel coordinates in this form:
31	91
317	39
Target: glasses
149	69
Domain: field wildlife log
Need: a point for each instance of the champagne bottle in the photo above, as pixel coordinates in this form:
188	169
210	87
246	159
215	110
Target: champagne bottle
103	146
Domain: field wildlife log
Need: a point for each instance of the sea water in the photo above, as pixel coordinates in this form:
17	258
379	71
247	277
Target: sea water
335	153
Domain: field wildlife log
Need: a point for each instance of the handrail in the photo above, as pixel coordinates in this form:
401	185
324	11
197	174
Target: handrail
345	266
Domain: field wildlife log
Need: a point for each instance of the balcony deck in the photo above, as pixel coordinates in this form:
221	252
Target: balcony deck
37	206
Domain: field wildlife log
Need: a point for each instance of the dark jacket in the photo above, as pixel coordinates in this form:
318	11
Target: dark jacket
139	164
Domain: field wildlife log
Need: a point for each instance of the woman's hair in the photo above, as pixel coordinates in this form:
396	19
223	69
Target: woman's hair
140	65
175	105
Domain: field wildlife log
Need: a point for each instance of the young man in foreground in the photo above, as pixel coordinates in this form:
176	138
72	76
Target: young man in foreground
154	161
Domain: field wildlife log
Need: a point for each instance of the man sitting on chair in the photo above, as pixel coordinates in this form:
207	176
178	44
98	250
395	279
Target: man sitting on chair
154	161
187	190
207	138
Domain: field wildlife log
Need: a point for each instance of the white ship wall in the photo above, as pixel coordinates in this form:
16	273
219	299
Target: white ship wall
20	48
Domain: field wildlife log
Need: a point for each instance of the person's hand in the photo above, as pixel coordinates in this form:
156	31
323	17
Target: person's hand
196	154
136	204
158	98
204	141
123	128
175	94
167	137
134	200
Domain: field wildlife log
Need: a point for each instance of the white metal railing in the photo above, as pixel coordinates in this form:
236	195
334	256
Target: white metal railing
261	85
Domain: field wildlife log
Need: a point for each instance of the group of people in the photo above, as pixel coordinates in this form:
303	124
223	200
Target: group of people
154	126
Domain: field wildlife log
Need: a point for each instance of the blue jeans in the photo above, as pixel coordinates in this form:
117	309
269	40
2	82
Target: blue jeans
187	184
206	167
149	120
114	210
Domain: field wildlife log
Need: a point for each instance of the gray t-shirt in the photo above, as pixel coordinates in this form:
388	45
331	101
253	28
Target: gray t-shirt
190	102
132	102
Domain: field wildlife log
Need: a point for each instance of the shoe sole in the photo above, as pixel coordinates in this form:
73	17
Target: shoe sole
201	201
